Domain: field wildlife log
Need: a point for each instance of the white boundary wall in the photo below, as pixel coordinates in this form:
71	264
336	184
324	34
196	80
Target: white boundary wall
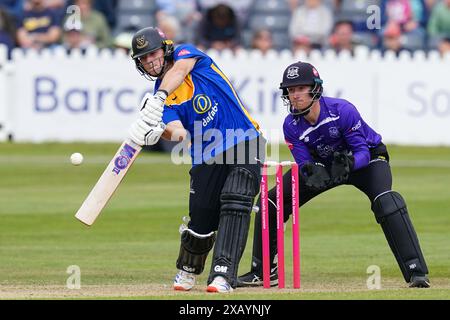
3	94
53	96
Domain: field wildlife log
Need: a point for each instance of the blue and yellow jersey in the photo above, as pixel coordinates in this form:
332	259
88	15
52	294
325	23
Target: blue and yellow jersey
208	107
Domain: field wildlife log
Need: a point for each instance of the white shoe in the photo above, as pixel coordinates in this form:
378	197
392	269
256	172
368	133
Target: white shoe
220	285
184	281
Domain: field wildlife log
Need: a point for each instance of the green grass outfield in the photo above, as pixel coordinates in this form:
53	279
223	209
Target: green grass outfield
130	252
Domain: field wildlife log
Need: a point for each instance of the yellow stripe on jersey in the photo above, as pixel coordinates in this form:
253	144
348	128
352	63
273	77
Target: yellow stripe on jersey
183	93
255	124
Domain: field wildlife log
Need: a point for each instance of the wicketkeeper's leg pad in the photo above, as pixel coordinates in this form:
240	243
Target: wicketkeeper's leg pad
194	250
237	199
391	213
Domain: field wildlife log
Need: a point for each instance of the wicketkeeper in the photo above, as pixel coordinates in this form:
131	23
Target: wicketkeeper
193	100
333	145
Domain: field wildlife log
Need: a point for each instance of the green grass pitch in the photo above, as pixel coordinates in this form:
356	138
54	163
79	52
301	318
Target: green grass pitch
130	251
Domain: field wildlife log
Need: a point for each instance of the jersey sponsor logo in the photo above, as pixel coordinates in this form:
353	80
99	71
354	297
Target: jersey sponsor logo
210	116
141	42
292	73
334	132
201	103
357	126
183	52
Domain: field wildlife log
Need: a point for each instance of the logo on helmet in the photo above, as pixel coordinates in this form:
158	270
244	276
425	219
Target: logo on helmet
315	72
141	42
292	73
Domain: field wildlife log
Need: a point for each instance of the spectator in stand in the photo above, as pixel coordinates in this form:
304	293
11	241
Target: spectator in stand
444	46
314	20
108	9
439	23
342	36
7	30
219	29
14	8
241	8
262	41
408	14
392	38
39	26
95	28
170	26
123	40
59	6
186	11
301	44
73	37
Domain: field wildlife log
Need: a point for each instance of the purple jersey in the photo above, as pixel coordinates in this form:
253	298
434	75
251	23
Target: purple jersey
338	128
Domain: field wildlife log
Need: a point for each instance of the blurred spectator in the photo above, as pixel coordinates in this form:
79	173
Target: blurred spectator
219	29
314	20
444	46
241	8
171	28
108	9
123	40
95	28
439	23
408	14
420	12
59	6
301	44
392	38
73	37
262	41
186	11
39	26
342	36
7	30
13	7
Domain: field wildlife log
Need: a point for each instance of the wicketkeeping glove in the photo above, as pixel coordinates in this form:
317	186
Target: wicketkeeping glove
316	176
341	166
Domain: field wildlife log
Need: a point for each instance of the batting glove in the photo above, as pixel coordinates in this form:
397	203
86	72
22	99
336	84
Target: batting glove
152	107
143	133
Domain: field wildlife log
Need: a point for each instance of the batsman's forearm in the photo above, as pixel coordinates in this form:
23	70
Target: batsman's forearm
172	80
174	132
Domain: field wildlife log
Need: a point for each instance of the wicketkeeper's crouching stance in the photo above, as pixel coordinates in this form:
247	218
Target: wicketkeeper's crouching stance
194	100
333	146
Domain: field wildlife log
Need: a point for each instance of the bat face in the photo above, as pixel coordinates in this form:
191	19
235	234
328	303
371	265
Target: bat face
108	182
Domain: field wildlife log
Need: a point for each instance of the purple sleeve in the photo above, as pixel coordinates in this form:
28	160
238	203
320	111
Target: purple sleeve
298	149
351	123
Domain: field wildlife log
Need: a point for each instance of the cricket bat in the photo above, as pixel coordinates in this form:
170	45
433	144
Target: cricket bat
108	182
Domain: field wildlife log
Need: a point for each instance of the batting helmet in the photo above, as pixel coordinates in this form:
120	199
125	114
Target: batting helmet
148	40
297	74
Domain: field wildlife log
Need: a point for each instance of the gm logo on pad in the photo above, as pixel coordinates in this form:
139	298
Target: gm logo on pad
201	103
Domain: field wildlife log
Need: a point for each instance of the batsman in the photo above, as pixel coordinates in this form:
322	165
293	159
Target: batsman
193	100
333	146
